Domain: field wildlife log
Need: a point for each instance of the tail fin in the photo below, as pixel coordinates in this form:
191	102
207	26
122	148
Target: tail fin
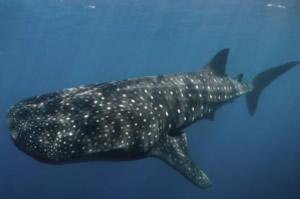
264	79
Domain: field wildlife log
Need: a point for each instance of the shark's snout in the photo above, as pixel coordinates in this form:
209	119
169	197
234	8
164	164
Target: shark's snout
16	120
12	123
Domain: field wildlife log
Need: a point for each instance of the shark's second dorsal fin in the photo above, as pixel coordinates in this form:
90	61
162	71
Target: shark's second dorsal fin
217	65
239	77
173	151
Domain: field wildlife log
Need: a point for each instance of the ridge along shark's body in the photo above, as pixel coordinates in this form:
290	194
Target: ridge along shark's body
133	118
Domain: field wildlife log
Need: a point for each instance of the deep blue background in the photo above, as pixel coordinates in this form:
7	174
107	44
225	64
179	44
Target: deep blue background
52	44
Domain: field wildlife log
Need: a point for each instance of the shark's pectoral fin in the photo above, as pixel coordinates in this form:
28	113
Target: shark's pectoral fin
174	152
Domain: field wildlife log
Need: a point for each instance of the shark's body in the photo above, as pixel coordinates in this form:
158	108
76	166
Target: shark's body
131	119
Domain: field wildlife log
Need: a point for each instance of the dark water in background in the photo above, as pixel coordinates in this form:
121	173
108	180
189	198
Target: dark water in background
47	45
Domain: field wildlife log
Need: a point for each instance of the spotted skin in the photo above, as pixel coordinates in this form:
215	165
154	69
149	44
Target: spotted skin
123	120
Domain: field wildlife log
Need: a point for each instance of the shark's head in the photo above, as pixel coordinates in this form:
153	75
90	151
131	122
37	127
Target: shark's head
26	136
37	131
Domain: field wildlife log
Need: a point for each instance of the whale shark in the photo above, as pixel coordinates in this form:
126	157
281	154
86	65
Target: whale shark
134	118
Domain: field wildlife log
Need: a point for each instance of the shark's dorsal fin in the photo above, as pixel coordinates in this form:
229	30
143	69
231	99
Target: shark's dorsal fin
173	151
217	65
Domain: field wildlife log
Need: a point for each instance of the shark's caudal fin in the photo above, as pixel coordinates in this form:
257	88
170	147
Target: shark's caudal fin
262	80
173	151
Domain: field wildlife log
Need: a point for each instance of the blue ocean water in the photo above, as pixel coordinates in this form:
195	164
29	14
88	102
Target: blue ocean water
52	44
